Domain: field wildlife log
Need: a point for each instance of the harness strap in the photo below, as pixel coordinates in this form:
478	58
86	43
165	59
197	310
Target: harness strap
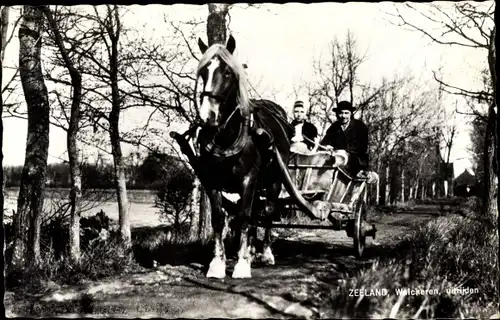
211	95
237	146
252	121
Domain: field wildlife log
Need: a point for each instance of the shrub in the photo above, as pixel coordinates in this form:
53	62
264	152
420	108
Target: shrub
102	255
449	252
173	198
462	250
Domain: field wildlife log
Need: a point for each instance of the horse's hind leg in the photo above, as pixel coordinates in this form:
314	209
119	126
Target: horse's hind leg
267	254
273	191
252	240
217	268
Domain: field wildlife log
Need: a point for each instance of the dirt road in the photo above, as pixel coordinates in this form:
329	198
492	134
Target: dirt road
308	265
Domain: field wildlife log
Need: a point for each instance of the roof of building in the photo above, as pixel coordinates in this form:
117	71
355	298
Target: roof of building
465	178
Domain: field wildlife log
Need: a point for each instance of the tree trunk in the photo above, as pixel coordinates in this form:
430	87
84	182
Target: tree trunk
4	24
377	191
387	186
205	225
114	132
120	178
31	194
350	64
402	184
216	33
410	196
71	140
216	23
489	208
417	183
492	53
195	203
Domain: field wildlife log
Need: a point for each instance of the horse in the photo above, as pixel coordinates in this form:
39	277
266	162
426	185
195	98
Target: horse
238	141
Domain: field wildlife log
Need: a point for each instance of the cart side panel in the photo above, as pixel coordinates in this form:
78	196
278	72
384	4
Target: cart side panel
340	188
318	178
345	189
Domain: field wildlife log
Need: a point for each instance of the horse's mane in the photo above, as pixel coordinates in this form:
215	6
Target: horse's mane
221	52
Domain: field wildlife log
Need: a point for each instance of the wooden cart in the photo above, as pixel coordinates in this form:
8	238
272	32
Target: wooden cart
316	185
330	194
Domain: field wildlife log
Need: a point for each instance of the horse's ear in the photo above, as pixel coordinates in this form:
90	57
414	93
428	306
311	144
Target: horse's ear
231	44
202	45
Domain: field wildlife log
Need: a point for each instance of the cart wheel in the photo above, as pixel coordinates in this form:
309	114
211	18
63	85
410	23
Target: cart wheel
358	234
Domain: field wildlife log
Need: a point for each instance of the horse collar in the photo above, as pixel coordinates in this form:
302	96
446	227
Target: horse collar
238	145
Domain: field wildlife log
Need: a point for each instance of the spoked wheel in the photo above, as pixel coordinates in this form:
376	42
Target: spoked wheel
358	232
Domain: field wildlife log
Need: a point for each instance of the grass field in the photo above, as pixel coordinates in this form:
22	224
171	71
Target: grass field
141	204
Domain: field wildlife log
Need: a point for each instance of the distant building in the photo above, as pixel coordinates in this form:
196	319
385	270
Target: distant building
465	184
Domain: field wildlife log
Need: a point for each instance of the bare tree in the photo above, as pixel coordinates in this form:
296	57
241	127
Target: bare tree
335	75
216	33
5	86
398	119
161	77
111	28
395	110
72	146
95	47
470	25
4	24
448	135
31	195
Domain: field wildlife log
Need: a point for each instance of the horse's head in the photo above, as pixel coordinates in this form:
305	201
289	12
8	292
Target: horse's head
223	83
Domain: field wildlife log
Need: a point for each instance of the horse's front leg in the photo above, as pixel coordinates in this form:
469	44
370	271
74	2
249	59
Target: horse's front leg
217	268
242	268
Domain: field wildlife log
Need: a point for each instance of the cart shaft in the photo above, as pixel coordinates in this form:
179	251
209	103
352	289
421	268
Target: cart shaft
298	226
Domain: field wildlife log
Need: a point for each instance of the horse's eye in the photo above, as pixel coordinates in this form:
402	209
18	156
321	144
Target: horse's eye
227	74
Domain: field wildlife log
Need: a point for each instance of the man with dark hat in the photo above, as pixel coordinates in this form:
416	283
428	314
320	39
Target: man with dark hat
348	134
303	131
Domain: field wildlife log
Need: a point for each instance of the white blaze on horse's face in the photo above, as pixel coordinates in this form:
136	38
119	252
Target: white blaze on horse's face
209	109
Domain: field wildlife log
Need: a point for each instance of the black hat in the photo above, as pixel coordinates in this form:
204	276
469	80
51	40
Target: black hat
298	103
344	105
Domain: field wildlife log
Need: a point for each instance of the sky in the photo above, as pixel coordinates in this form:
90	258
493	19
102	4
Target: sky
279	42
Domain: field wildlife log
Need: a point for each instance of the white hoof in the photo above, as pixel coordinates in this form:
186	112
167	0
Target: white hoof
267	256
253	254
242	269
217	269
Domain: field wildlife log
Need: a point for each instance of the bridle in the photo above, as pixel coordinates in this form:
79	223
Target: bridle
243	134
217	97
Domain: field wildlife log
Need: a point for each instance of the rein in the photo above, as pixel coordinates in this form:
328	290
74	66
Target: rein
285	121
230	116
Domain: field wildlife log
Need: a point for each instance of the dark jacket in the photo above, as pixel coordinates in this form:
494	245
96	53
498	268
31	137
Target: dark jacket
354	140
308	130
